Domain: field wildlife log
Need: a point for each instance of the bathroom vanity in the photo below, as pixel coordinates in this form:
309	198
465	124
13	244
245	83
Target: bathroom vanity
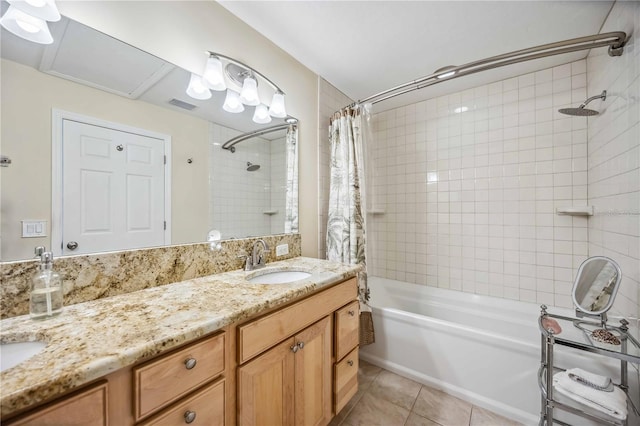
213	350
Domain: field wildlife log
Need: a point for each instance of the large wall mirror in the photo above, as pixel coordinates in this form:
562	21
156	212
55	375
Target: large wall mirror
87	100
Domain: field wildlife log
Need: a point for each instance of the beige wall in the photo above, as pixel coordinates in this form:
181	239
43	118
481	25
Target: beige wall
28	97
180	32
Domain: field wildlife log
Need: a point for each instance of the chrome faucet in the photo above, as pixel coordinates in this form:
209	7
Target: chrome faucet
256	259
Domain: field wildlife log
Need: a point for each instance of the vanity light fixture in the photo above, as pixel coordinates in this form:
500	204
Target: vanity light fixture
42	9
249	94
232	102
28	19
26	26
212	76
197	88
246	79
261	115
277	108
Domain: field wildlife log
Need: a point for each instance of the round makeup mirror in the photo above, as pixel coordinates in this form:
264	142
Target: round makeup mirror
596	285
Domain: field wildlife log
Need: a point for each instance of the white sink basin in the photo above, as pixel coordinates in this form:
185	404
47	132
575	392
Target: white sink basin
12	354
278	277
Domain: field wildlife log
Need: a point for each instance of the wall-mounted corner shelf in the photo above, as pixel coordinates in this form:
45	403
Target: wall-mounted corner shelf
575	211
376	211
270	212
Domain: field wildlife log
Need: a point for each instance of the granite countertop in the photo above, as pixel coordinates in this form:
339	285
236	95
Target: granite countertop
92	339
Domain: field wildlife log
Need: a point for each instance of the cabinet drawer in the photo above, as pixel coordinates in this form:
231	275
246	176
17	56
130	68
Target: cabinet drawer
163	380
205	407
263	333
347	322
345	379
86	408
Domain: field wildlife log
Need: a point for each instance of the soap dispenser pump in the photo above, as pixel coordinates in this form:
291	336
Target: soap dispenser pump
46	290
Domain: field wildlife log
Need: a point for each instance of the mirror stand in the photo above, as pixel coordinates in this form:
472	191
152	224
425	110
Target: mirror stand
602	317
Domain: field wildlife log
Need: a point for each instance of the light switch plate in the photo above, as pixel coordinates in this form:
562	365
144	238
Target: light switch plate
282	249
34	228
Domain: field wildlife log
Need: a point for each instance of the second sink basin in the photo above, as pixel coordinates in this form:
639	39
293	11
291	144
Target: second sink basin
12	354
278	277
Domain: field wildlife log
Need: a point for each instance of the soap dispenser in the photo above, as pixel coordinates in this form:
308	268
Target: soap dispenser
46	290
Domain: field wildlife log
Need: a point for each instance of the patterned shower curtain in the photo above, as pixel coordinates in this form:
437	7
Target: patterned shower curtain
346	217
346	225
291	202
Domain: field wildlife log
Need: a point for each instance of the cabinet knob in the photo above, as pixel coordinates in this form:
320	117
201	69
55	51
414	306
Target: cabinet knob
301	345
351	313
294	348
190	363
189	416
350	362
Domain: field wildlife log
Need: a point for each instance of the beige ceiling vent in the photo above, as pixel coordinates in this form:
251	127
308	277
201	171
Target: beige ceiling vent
182	104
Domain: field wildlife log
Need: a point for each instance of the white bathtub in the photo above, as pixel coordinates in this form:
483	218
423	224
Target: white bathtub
482	349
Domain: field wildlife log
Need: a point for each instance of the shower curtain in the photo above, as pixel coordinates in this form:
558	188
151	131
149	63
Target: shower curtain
291	202
346	224
346	218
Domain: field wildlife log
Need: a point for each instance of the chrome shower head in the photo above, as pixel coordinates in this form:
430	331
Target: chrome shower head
578	112
252	167
581	111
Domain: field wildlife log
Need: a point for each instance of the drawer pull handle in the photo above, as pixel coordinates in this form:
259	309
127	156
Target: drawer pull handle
350	362
351	313
189	416
190	363
294	348
301	345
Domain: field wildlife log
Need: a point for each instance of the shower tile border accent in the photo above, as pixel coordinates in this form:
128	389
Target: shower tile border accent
95	276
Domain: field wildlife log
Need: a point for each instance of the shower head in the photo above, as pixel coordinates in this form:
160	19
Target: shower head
252	167
578	112
581	111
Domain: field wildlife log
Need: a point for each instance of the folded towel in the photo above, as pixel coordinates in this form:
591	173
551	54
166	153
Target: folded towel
596	381
613	403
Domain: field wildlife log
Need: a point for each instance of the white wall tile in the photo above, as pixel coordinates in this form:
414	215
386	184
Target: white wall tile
491	178
614	157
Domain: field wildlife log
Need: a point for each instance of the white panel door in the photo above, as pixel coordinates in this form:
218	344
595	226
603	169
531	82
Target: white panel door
112	189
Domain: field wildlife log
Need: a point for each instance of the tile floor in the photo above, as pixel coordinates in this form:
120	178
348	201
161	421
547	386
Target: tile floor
385	398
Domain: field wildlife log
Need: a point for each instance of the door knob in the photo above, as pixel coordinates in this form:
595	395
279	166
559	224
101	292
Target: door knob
72	245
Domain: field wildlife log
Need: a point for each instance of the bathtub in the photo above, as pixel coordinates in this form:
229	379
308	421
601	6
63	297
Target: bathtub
482	349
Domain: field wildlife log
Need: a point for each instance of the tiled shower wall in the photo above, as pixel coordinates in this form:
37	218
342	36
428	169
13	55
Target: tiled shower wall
241	203
466	186
614	156
330	100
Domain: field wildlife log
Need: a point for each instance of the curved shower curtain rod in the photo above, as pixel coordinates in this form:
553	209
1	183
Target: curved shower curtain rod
615	40
291	122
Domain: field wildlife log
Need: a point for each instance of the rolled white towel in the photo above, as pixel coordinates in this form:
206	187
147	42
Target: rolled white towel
598	381
613	403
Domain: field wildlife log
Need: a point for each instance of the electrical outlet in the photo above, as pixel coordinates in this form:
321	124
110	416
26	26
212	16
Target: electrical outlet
282	249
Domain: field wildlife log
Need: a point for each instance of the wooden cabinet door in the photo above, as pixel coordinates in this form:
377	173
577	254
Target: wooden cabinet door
83	408
313	374
266	388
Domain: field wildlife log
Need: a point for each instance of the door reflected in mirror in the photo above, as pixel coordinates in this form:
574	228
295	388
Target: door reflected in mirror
596	285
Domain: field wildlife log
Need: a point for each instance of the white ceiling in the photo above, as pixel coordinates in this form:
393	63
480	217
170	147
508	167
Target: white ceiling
364	47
